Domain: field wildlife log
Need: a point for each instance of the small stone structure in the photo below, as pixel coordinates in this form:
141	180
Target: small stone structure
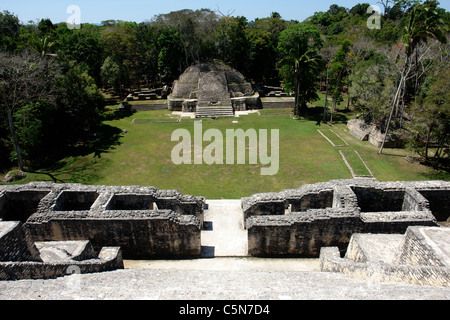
152	94
421	257
143	221
299	222
21	258
207	87
364	132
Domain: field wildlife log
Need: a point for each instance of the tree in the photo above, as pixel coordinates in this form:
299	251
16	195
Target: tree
120	44
195	29
336	10
25	78
327	54
46	27
41	46
9	31
34	124
80	104
83	47
147	46
433	119
261	55
111	74
425	22
273	25
232	44
359	9
299	45
338	70
371	88
170	55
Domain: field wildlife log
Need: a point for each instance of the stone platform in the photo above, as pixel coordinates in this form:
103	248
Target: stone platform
188	284
421	257
223	268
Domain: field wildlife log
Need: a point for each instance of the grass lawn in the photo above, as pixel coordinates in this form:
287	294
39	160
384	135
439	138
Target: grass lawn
355	163
335	139
142	156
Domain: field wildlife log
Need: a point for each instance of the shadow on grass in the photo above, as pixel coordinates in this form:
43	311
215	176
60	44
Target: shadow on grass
104	139
441	170
316	114
117	114
66	162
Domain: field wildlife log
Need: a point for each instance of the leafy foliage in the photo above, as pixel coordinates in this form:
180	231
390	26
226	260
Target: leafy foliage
397	70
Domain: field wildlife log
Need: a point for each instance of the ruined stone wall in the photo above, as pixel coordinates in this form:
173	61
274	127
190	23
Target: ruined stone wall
143	221
301	234
330	261
364	132
420	256
107	260
439	202
416	250
327	214
139	234
15	243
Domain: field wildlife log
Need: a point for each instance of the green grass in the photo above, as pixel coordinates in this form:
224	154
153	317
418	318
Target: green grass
333	137
355	162
142	156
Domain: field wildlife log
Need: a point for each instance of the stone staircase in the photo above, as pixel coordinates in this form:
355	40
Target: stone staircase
420	257
215	112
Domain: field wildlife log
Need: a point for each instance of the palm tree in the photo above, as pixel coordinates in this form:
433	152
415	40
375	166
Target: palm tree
425	22
41	46
299	44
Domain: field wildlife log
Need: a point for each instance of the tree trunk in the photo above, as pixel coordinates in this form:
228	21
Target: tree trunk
395	104
332	110
297	92
427	142
297	99
325	110
12	129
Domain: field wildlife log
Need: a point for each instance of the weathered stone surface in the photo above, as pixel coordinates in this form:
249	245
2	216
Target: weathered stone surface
15	243
364	132
53	251
190	105
22	258
419	257
237	284
144	221
213	84
299	222
14	175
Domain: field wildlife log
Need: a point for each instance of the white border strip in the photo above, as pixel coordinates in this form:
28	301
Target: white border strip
341	145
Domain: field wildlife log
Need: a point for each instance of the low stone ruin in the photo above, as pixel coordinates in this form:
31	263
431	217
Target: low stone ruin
363	228
152	94
21	258
270	91
420	256
299	222
364	132
143	221
205	88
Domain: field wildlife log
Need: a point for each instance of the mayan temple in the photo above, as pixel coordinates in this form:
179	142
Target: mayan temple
212	89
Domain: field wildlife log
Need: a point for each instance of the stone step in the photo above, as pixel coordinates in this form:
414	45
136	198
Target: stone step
374	247
209	112
262	285
425	246
420	246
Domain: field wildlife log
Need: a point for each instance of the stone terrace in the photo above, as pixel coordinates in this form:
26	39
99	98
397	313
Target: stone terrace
108	216
300	222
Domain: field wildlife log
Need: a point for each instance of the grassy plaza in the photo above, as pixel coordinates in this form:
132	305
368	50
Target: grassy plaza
142	155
